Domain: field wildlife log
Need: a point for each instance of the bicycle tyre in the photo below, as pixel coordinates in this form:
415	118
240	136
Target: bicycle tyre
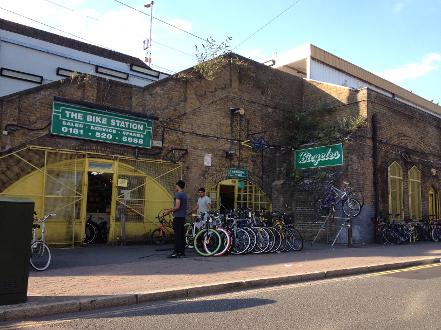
277	240
253	239
91	232
351	207
272	235
159	236
226	242
189	235
436	234
40	256
262	238
294	239
241	241
207	244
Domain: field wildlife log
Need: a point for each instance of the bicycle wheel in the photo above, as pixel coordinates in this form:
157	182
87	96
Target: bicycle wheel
226	242
351	207
294	239
277	240
253	239
91	232
207	242
40	256
159	236
436	234
241	241
188	235
262	240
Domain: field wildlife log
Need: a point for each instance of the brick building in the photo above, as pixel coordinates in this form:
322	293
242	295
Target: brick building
202	131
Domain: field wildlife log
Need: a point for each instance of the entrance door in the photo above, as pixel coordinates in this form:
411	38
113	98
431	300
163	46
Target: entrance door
99	201
226	197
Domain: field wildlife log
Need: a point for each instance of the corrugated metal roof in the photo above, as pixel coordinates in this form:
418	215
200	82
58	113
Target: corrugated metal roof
362	74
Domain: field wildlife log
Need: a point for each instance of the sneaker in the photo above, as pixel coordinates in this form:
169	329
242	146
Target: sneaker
173	255
181	255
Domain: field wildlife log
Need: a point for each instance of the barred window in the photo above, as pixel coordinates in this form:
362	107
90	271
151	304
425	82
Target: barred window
395	185
415	193
434	207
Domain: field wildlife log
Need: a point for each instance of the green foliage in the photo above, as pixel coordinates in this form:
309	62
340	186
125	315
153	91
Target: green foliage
212	58
320	126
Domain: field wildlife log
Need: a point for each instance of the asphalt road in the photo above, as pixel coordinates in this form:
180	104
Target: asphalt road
402	299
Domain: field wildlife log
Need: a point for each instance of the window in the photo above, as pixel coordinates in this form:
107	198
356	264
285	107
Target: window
415	193
434	207
395	185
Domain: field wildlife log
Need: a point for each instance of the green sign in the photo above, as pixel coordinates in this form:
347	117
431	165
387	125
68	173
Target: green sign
237	173
98	125
319	157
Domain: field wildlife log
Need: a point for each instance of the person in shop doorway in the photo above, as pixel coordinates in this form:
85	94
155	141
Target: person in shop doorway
202	207
179	212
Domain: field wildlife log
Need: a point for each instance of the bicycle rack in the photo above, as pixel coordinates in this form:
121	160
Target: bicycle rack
326	224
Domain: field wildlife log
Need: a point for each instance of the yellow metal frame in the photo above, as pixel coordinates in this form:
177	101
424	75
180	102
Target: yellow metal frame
73	164
254	197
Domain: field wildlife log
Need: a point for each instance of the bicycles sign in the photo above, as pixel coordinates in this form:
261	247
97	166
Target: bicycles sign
324	156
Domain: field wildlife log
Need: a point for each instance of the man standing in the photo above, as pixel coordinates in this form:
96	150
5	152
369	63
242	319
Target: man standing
179	211
203	205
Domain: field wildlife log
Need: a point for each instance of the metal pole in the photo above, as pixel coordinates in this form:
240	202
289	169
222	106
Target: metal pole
150	37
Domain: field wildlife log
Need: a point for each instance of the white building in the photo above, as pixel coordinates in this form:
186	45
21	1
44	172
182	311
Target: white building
30	57
313	63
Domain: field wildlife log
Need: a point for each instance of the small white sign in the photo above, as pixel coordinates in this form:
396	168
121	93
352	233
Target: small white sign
207	159
156	143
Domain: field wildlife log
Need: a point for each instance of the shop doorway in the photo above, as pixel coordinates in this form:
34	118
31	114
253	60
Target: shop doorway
226	197
238	193
99	200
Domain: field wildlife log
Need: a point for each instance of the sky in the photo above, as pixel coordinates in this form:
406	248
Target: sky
399	40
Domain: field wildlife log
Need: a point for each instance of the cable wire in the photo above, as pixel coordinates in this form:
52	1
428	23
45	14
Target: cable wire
97	19
54	28
160	20
266	24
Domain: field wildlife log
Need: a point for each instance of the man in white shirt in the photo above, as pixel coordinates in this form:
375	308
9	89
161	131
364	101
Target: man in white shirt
203	205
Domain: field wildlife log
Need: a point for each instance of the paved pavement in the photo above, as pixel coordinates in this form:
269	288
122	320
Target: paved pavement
96	272
399	299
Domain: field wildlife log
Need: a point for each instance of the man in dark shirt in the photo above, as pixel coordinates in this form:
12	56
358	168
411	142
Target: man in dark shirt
179	211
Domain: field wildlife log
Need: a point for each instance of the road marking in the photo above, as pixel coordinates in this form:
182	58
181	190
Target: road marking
27	324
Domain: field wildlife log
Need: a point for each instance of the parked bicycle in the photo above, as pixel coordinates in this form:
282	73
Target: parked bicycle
163	234
344	198
95	232
40	252
408	231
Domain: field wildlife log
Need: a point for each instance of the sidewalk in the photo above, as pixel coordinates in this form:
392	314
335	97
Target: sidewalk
94	277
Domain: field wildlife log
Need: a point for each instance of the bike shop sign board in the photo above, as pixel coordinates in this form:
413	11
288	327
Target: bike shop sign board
237	173
324	156
92	124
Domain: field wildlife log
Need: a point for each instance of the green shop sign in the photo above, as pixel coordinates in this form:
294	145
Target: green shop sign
92	124
319	157
237	173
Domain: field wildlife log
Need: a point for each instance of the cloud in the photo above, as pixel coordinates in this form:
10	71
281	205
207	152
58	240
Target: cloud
428	64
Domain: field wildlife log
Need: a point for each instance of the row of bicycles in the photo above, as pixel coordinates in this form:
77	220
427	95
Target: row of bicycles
410	231
236	232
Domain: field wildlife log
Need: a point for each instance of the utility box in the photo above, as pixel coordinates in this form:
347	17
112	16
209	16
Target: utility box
16	218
